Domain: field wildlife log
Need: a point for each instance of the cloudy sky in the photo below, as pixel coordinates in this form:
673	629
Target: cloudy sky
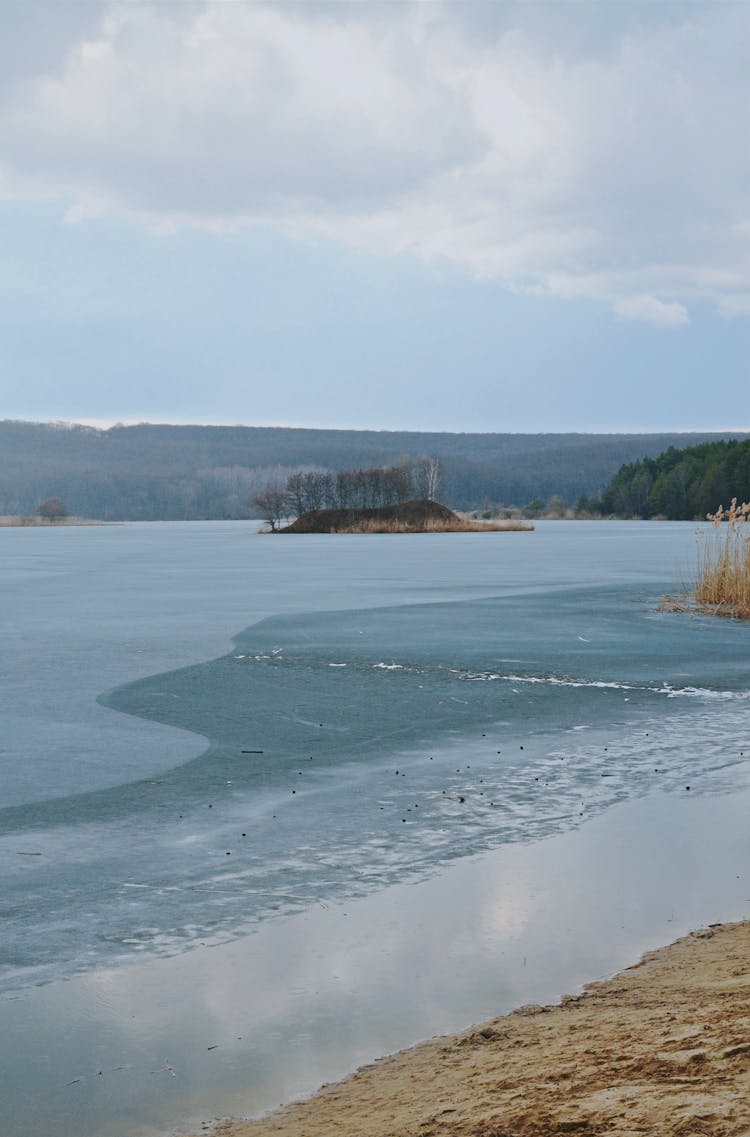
460	215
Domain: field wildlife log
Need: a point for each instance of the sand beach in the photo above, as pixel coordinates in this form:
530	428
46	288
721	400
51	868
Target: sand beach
662	1048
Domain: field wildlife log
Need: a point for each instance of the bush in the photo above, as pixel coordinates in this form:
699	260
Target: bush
53	509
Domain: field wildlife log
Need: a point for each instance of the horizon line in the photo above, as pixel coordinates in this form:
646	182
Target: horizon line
107	423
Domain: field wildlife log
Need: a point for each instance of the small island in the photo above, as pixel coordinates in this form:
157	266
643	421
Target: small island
52	511
421	516
388	499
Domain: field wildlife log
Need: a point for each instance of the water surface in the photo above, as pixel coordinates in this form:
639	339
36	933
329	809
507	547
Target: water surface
207	731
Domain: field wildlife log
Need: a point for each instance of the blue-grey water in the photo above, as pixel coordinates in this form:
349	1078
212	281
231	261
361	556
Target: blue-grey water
210	734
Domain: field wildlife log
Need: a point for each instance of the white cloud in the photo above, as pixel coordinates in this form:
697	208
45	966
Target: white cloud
610	165
735	304
651	310
236	113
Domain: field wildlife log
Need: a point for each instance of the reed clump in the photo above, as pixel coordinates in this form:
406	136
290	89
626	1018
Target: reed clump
724	563
723	582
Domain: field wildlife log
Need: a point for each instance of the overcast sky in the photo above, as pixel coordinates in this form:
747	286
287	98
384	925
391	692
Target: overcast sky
442	215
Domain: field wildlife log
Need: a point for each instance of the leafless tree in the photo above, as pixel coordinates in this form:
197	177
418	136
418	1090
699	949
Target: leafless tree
363	488
272	504
295	493
53	509
427	477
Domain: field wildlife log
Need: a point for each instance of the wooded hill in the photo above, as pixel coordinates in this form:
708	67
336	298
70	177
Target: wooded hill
153	472
681	484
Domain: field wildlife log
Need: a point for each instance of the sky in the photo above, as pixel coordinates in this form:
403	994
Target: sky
443	215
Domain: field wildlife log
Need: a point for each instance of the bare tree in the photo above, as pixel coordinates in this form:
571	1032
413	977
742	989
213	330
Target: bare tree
295	493
53	509
344	490
328	490
313	490
272	503
397	484
433	477
362	488
426	477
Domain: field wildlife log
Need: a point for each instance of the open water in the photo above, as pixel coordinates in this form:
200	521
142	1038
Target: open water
210	734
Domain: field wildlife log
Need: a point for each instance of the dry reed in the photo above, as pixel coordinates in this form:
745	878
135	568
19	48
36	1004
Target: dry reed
724	562
723	583
8	521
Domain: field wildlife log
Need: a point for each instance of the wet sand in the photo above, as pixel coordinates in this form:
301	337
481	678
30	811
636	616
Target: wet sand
661	1048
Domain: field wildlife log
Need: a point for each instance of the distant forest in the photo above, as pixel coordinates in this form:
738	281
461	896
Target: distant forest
680	485
155	472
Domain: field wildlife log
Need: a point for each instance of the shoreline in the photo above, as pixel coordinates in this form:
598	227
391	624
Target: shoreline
12	521
660	1047
255	1023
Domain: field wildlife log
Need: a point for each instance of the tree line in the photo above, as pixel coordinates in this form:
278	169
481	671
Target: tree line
680	484
163	472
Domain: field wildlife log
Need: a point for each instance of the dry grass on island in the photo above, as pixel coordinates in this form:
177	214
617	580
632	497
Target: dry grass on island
8	521
723	581
51	512
661	1049
409	517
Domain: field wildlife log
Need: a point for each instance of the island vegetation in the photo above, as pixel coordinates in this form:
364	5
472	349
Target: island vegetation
51	511
422	516
386	499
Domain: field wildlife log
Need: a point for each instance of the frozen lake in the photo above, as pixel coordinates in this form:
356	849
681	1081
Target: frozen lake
249	784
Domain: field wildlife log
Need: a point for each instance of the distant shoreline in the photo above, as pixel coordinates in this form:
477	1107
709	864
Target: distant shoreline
145	469
9	521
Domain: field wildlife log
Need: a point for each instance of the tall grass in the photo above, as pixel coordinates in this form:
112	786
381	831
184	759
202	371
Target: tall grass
12	520
723	584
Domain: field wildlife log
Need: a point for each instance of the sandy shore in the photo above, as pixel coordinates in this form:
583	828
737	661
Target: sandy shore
662	1048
